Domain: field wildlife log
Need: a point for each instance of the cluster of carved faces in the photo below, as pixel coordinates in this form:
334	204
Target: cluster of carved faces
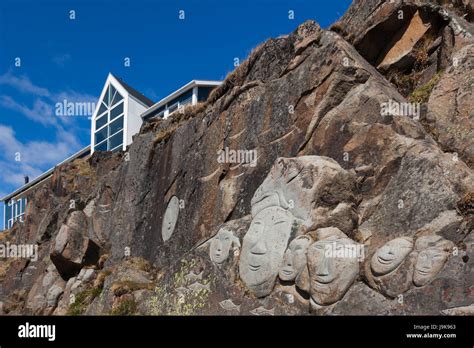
263	249
267	254
283	204
429	254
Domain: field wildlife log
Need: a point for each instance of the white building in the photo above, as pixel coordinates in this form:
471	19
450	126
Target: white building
118	116
193	92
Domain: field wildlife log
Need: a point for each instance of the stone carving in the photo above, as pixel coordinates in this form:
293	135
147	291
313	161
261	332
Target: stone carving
221	244
230	306
170	218
299	184
294	259
331	274
263	248
397	265
196	286
387	258
193	277
283	204
263	311
433	252
390	270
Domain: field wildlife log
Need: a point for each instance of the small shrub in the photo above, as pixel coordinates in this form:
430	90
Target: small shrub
82	300
422	94
125	307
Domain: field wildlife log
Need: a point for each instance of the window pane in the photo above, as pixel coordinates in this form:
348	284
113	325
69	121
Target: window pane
186	95
116	126
203	93
101	121
172	108
101	135
116	140
101	147
19	207
116	111
106	97
8	211
112	92
102	109
116	98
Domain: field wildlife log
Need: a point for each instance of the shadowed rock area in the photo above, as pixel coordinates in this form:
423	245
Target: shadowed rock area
359	199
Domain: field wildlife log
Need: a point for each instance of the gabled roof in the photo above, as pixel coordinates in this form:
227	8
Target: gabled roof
140	96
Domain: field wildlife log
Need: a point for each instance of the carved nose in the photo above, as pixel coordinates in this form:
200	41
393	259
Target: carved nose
323	269
259	248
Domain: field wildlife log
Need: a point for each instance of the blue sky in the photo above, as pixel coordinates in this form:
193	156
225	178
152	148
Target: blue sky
69	59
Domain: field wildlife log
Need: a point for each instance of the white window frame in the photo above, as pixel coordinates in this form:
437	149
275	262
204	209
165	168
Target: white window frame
17	211
111	120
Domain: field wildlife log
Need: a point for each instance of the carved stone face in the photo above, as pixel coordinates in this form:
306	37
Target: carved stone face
170	218
221	244
428	264
294	259
387	258
433	252
263	248
330	276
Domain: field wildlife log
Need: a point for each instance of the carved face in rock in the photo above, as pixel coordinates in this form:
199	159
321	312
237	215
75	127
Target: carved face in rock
263	248
221	244
387	258
431	258
331	275
170	218
294	259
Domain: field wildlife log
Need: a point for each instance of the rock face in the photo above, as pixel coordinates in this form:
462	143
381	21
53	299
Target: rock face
72	249
339	196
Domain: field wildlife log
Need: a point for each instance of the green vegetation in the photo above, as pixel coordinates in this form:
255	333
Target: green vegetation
422	94
167	300
125	307
82	300
127	287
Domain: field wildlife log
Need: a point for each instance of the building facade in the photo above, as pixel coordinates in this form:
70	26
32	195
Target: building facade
118	116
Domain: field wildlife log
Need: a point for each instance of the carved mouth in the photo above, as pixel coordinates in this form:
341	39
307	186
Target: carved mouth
322	288
287	271
254	268
384	260
323	280
422	272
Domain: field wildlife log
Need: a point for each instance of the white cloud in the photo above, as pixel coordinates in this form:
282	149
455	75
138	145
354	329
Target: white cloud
34	155
41	112
44	103
23	84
